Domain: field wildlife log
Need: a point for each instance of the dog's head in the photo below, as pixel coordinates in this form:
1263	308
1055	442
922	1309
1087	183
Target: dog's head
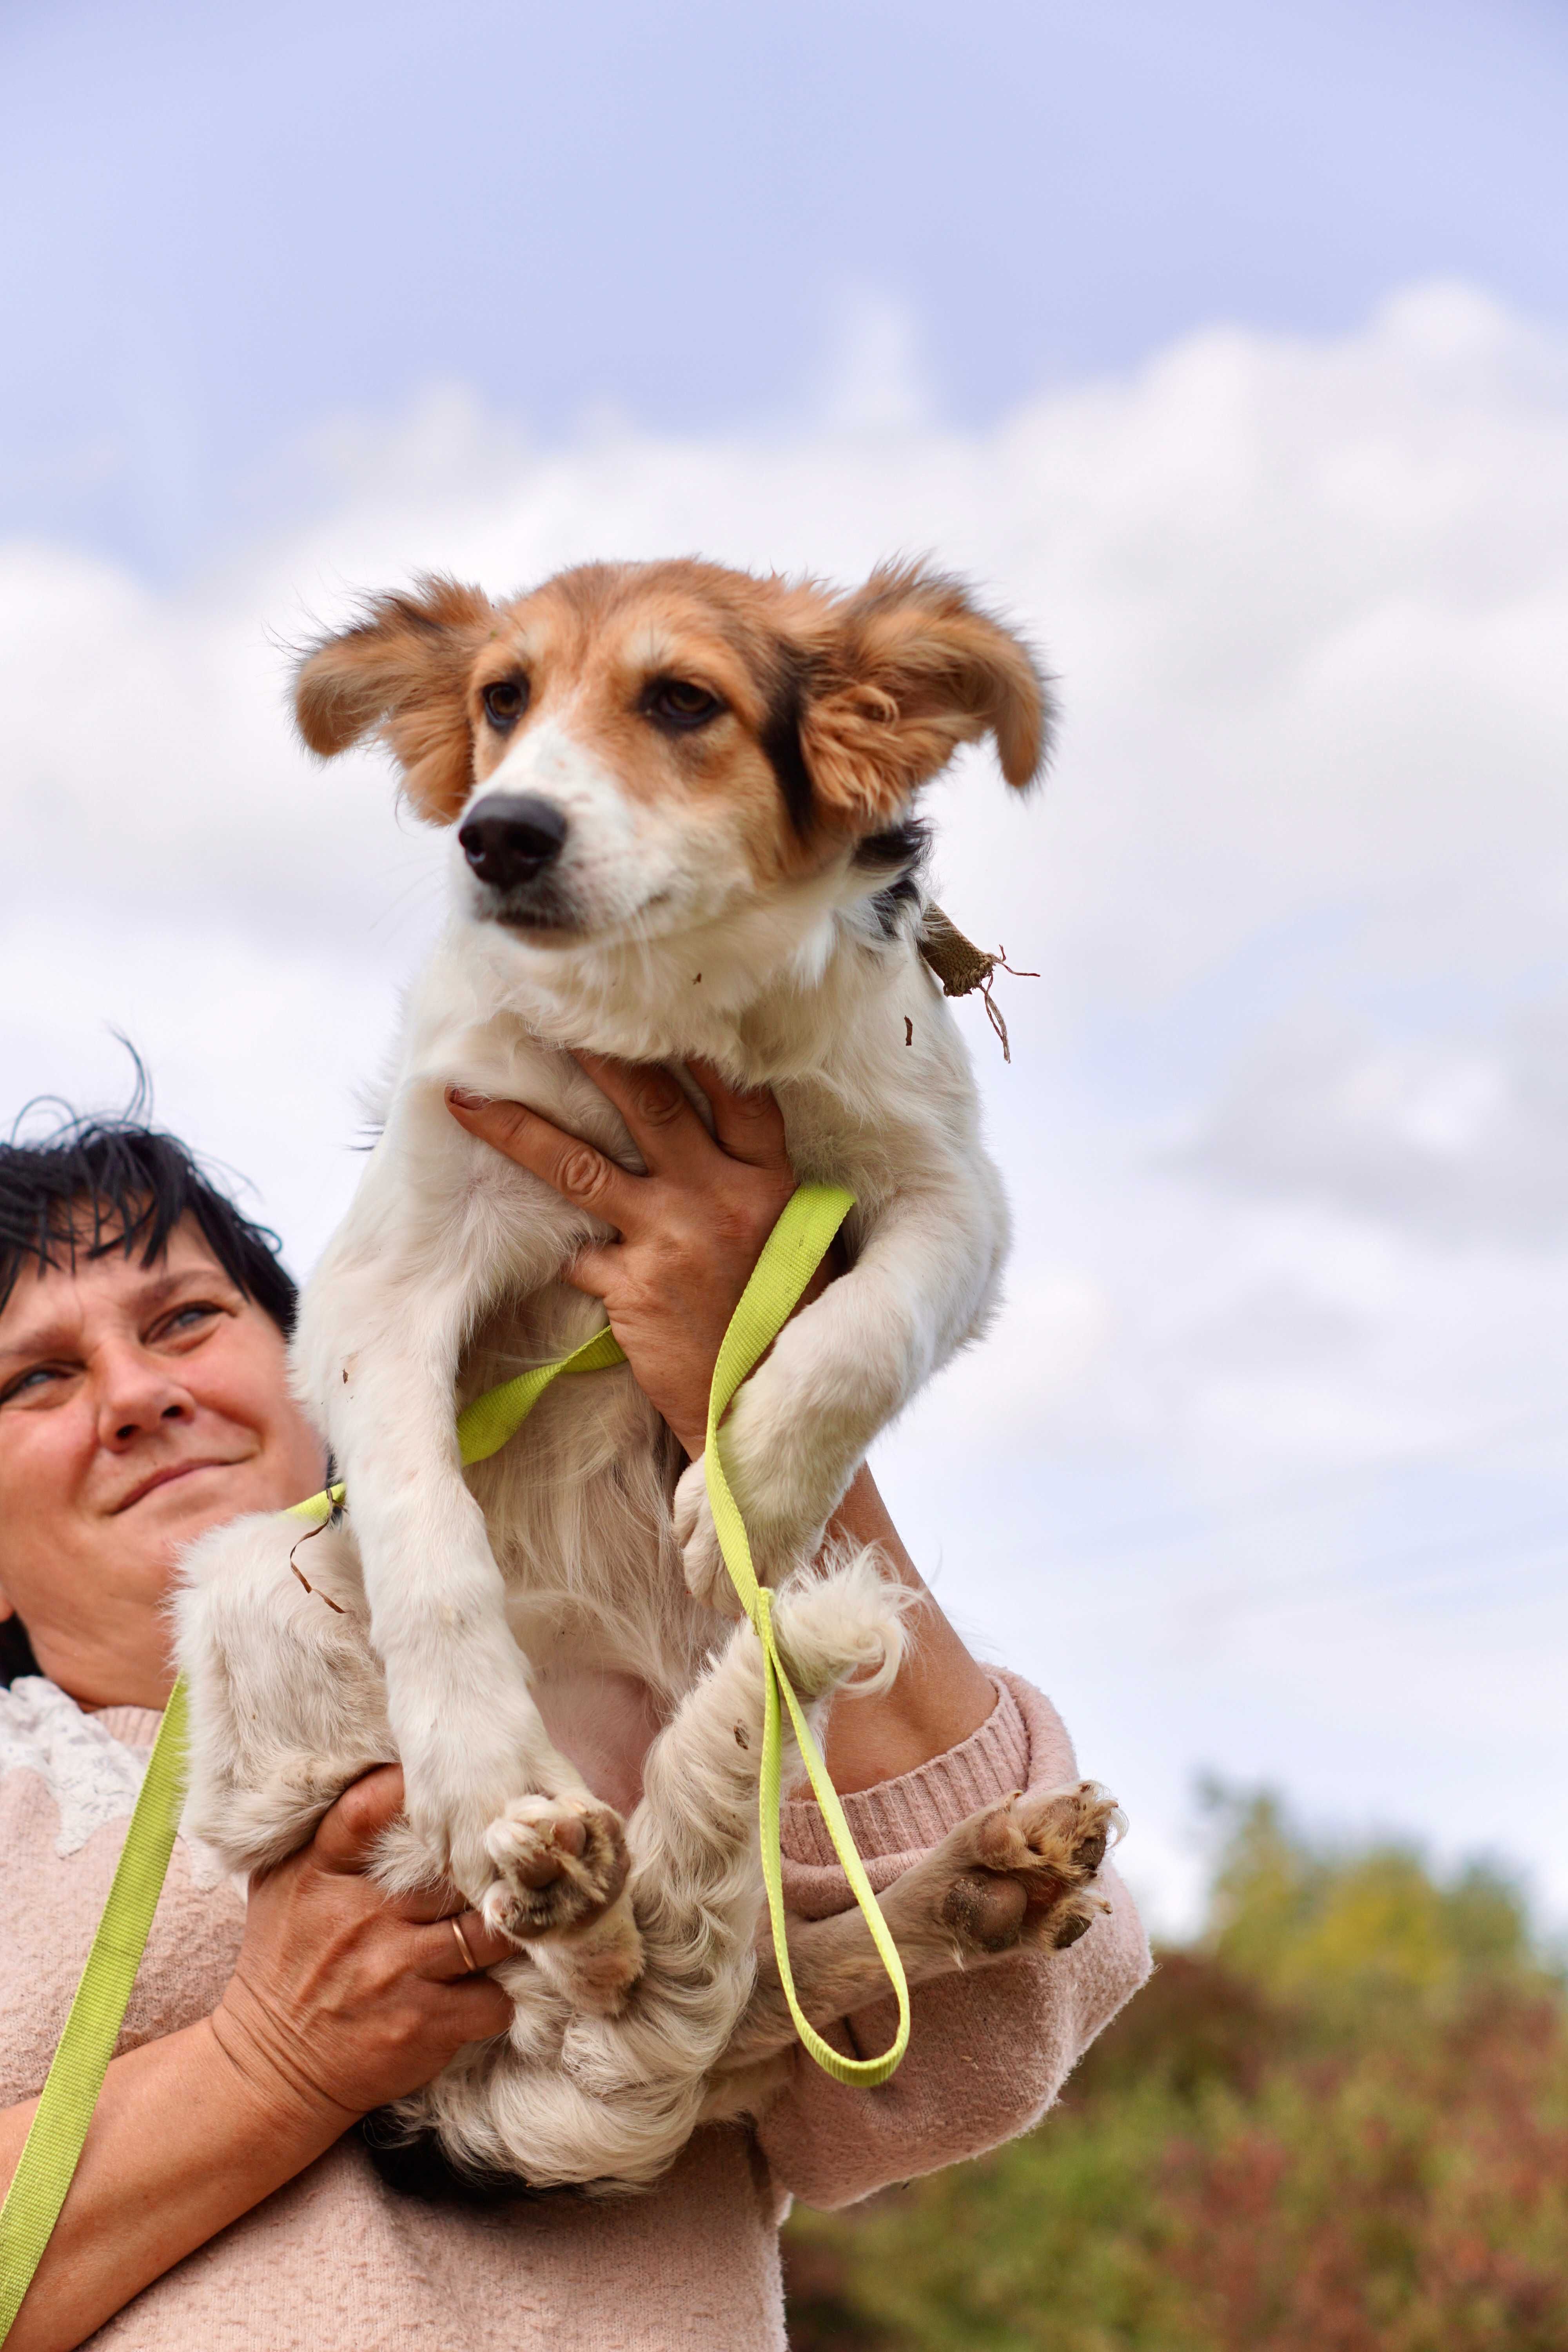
639	750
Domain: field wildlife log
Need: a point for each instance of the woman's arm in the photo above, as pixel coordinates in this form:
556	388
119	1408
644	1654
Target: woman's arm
182	2142
990	2048
341	2002
942	1694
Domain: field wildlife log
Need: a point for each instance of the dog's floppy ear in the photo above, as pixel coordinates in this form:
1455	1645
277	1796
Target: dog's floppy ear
913	669
403	669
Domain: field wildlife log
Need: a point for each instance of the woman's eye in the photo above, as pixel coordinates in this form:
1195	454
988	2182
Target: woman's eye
505	701
676	702
186	1319
28	1383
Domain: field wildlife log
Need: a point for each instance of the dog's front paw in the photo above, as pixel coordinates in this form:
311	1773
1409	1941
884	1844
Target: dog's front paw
702	1559
1025	1868
777	1550
560	1863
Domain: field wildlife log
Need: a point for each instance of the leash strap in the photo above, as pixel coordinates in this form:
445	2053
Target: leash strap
54	2143
791	1255
484	1426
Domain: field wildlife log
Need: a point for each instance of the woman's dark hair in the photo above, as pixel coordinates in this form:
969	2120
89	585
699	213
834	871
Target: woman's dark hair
95	1185
16	1651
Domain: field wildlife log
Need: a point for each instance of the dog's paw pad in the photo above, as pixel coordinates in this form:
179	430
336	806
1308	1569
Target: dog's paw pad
560	1863
985	1910
1074	1919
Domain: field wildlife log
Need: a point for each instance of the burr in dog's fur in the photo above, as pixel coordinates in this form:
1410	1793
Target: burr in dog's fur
682	803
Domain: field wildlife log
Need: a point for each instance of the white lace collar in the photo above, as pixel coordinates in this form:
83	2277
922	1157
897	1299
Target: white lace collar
93	1778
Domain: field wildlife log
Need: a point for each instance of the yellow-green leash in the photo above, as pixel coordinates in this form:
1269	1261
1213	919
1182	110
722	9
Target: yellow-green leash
791	1255
484	1426
53	2146
793	1251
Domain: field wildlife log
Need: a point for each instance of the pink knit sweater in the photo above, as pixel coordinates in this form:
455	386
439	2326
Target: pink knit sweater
335	2262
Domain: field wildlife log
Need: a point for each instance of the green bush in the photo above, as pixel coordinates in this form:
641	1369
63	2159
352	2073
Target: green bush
1339	2123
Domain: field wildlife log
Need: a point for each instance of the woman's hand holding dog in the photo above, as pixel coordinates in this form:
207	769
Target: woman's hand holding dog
342	1999
691	1230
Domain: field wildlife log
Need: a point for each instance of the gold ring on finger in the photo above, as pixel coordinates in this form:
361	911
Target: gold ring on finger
469	1961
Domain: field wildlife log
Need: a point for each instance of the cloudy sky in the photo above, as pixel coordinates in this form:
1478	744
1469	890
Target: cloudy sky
1229	347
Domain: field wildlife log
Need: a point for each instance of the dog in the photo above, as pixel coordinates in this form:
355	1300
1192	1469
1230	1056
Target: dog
683	806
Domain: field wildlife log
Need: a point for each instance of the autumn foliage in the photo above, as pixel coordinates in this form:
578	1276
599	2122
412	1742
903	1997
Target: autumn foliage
1339	2123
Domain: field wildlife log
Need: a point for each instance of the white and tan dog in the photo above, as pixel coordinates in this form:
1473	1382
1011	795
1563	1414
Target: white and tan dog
681	802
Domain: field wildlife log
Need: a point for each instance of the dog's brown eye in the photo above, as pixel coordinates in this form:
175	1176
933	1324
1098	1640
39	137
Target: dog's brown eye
506	701
676	702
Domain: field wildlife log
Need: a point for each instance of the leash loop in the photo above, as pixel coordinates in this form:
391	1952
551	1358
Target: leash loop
791	1255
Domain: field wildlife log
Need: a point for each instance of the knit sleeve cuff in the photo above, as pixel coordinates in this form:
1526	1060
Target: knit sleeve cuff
897	1822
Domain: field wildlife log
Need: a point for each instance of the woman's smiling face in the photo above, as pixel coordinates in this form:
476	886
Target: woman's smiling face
139	1406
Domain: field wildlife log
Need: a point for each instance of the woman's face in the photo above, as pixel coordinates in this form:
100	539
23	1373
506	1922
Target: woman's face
139	1406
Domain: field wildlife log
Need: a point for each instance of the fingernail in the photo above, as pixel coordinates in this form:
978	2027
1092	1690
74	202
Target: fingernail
464	1098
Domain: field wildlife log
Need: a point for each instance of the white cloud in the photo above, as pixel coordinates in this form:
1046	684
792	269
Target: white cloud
1465	1138
1286	1123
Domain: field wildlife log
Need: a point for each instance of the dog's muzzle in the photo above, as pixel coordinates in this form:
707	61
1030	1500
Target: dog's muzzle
510	838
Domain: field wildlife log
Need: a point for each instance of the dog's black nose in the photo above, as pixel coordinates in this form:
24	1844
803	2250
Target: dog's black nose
511	837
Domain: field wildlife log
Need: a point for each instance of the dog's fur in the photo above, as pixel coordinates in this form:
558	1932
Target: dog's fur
730	765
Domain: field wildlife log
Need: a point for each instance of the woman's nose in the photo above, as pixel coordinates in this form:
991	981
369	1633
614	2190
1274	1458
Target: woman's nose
136	1395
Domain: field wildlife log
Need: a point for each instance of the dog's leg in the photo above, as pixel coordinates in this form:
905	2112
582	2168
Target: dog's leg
696	1883
839	1372
577	2094
1017	1875
428	1242
696	1829
286	1703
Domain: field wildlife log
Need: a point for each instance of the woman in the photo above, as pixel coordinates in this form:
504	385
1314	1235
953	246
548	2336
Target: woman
223	2194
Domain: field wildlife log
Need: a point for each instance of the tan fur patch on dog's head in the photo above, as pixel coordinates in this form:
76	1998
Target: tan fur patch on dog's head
828	709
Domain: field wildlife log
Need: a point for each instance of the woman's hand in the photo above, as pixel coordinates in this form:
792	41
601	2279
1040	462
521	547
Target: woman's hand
689	1231
341	1997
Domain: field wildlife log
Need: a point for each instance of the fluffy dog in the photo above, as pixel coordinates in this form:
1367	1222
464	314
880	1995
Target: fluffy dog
681	802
